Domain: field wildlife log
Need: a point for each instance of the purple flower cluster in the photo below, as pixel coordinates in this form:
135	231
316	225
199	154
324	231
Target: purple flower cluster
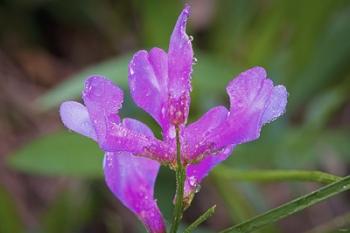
160	84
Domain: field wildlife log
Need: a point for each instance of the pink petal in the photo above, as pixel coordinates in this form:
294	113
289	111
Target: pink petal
254	101
148	82
195	173
103	100
75	117
132	180
195	134
180	57
277	104
120	138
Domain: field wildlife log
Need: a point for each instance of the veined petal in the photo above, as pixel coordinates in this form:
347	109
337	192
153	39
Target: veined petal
121	138
277	104
254	101
132	180
103	100
75	117
180	57
148	81
195	134
195	173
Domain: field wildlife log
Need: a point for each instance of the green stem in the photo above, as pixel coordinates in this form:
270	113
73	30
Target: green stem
200	219
180	183
291	207
275	175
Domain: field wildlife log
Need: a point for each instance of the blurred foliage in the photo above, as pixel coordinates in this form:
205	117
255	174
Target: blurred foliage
10	220
62	153
69	211
304	45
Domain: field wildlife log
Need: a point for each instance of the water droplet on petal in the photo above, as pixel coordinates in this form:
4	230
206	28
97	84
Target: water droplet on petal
172	133
192	181
190	38
194	61
197	189
163	110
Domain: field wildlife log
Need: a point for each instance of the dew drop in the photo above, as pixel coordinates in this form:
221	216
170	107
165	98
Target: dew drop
194	61
192	181
197	189
190	38
104	162
163	110
172	133
178	114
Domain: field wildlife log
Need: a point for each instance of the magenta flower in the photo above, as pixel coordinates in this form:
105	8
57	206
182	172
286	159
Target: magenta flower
160	84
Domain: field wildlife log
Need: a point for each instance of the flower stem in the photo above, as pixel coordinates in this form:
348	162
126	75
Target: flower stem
180	183
291	207
274	175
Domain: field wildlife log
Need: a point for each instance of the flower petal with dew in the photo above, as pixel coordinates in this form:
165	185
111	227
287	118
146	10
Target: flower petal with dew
75	117
148	83
132	181
255	101
130	178
196	172
195	135
180	59
160	82
103	99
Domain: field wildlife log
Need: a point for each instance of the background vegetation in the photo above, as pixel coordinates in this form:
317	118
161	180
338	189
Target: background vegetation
51	179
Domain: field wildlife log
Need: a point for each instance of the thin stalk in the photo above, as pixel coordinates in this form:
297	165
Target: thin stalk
291	207
180	183
275	175
200	219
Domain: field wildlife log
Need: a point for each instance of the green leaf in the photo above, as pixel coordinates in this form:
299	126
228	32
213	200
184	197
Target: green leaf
62	153
207	214
274	175
10	221
291	207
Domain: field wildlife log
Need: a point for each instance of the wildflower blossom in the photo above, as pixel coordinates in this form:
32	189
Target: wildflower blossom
160	84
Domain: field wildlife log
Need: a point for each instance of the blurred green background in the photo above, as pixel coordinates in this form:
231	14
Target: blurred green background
51	179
